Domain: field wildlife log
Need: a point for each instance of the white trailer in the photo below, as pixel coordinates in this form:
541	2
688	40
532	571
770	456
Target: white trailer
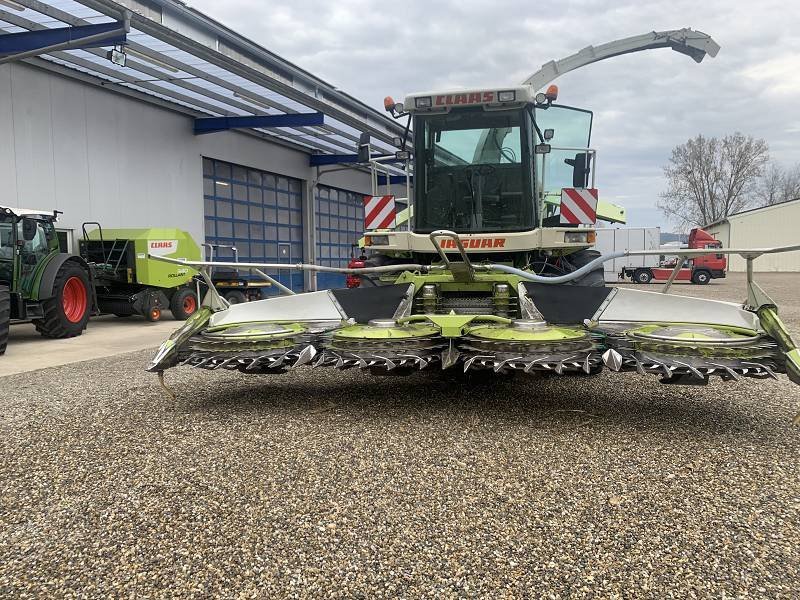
627	238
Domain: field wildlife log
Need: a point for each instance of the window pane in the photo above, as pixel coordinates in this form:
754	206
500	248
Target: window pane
240	210
208	167
256	231
208	187
224	209
224	229
222	169
222	189
239	192
208	204
241	231
239	173
256	213
254	177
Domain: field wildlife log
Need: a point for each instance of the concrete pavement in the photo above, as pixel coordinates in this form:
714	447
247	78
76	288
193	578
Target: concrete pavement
105	336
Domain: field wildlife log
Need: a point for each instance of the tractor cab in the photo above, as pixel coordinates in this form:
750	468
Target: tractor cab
27	239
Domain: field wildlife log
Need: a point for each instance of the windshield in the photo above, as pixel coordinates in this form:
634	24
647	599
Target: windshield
473	171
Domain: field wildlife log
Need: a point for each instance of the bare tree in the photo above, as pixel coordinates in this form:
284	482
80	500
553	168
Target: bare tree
779	185
710	178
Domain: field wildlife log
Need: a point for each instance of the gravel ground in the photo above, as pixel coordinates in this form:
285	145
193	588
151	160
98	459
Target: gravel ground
344	485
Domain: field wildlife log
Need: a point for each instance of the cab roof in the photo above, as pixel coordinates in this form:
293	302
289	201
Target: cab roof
444	100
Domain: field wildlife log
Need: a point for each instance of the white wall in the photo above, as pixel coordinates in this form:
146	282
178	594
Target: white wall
772	226
100	156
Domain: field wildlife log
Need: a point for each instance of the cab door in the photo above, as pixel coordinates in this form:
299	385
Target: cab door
37	241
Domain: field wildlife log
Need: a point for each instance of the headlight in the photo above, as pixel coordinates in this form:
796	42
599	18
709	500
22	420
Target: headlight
507	96
576	237
423	102
377	240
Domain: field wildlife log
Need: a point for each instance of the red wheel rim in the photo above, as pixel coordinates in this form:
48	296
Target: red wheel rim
189	304
74	299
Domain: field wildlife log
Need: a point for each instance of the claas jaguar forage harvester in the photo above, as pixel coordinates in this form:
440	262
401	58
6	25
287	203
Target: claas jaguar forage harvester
494	270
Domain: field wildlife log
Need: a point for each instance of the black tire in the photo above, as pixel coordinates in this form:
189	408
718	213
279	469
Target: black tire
183	303
594	278
5	317
64	320
701	277
642	276
235	297
153	314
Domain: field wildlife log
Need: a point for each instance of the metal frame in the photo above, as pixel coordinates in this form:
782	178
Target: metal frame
194	89
18	46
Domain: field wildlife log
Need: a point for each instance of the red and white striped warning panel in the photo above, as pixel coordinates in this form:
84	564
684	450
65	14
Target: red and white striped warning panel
379	212
578	206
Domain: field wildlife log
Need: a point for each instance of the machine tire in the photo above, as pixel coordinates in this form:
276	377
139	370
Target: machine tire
183	303
5	317
67	312
153	314
235	297
701	277
595	278
642	276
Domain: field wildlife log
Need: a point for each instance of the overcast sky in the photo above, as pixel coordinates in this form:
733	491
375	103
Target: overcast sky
644	103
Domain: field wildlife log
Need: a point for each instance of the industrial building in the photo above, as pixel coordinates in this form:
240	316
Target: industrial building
768	226
142	113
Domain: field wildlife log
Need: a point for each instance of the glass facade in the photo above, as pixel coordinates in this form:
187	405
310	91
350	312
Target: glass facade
340	224
259	213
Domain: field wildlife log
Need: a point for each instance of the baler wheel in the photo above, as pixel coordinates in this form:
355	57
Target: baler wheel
67	312
183	303
5	317
153	315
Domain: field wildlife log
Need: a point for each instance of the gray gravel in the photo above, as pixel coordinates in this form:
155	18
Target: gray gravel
323	482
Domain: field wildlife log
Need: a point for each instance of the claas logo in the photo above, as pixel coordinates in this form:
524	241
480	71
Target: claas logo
161	244
465	98
476	243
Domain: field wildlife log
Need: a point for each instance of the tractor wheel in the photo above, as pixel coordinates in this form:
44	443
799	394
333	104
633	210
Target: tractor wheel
183	303
595	278
642	276
5	317
67	312
235	297
153	315
701	277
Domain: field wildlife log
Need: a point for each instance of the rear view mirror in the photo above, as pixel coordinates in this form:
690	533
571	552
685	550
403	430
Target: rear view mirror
28	229
542	148
363	148
580	169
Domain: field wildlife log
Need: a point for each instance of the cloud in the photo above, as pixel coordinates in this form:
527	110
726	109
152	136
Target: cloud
644	104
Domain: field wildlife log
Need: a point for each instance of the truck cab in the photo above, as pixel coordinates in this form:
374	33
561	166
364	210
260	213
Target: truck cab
699	269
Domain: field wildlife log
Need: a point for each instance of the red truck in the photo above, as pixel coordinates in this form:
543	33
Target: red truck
700	269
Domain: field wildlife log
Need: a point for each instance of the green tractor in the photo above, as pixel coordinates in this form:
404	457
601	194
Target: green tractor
38	282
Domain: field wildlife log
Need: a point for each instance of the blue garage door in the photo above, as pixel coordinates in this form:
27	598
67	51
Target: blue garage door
258	212
340	224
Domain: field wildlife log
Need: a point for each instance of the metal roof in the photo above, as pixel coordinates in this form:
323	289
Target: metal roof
179	57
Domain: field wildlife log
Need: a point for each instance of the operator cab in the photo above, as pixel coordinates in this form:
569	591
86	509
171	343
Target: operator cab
482	165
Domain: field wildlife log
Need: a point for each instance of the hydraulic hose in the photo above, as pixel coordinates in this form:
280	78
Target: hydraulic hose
576	274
